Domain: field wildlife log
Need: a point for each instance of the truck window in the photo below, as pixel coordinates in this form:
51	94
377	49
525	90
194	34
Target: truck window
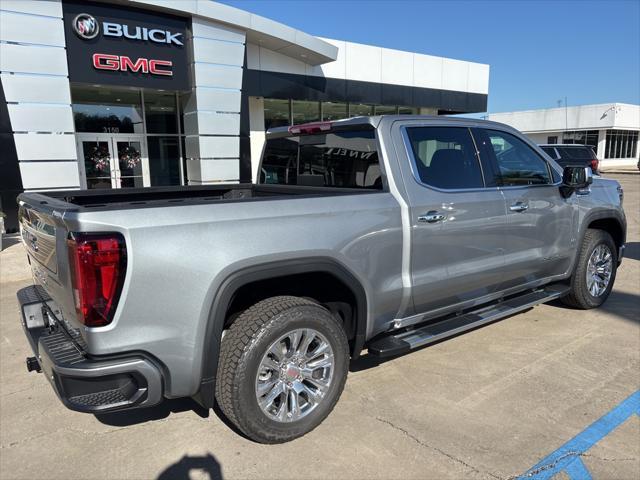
347	159
517	162
445	157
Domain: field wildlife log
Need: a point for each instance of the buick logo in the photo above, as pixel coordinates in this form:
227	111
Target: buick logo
85	26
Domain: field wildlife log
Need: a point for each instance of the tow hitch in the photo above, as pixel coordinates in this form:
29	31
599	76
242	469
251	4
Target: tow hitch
33	365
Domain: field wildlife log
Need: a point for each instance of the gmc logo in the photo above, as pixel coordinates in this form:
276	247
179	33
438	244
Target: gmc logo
104	61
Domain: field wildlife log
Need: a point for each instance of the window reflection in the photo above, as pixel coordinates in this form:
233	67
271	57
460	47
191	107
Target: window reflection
334	111
360	110
103	110
160	111
305	112
385	110
164	160
276	113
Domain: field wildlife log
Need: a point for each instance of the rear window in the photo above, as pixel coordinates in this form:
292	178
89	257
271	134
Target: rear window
576	153
347	159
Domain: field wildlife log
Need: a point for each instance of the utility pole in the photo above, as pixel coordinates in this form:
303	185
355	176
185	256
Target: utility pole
566	114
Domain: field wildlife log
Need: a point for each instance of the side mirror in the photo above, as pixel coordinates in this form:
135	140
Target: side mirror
575	178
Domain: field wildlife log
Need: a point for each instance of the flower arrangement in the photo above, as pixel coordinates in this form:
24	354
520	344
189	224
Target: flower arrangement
130	156
100	157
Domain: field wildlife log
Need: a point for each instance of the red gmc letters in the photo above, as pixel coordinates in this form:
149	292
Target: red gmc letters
104	61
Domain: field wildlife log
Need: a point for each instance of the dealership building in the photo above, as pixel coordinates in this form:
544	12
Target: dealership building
611	129
180	92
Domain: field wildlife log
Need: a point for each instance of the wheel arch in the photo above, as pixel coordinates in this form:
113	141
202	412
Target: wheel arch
610	221
609	224
225	295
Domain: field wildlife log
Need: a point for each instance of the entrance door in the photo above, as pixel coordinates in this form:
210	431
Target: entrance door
114	161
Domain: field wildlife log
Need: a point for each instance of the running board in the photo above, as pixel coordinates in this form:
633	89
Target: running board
403	342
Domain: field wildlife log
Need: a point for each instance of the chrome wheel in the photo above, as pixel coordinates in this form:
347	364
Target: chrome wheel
599	269
294	375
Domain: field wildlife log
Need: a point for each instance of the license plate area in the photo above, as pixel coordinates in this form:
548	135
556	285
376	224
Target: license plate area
34	312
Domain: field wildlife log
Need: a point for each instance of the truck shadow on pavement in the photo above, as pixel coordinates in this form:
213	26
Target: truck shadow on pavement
620	304
163	410
186	465
157	412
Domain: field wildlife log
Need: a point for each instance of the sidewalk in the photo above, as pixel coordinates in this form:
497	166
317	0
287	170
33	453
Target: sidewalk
625	170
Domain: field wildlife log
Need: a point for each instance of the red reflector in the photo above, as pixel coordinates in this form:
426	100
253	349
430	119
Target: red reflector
310	127
98	264
595	163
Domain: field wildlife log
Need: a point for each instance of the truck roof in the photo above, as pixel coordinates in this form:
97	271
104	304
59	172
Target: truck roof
376	120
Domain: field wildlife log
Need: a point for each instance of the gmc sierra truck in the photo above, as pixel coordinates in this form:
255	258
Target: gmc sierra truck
379	233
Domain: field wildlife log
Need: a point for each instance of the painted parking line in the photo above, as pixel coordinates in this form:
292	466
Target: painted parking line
568	459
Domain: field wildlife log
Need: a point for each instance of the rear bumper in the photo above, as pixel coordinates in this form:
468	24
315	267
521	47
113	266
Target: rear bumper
84	383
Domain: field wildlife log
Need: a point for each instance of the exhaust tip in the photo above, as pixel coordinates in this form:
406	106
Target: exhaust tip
33	364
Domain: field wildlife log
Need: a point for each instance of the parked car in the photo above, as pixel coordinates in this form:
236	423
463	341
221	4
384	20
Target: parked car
385	233
573	155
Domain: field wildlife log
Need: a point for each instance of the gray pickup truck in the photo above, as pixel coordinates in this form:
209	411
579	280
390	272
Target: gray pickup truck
379	233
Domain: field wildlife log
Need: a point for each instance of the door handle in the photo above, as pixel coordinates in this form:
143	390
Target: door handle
519	207
431	216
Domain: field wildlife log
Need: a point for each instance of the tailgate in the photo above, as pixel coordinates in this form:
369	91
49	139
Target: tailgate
44	238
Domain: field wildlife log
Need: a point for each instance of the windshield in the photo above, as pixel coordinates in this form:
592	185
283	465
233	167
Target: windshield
345	159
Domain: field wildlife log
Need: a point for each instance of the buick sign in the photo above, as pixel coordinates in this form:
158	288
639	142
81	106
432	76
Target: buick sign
86	26
116	44
141	33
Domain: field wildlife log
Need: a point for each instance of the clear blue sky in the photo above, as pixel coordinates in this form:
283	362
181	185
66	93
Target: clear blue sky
539	51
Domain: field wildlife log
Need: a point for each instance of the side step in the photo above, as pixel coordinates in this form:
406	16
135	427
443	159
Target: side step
404	341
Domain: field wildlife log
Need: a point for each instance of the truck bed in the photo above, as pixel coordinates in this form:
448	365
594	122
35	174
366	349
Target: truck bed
131	198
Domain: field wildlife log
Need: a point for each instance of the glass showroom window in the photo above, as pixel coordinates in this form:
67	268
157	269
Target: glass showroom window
161	113
161	118
385	110
104	110
360	110
334	111
408	110
277	113
305	112
621	144
585	137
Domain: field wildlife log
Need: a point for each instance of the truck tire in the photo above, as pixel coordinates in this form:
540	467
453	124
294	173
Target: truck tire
283	365
595	271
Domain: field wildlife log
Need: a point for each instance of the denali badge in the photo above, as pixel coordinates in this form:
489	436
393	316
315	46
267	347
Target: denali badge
85	26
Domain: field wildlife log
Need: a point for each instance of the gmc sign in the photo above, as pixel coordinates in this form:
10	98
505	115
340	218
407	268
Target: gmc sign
103	61
117	45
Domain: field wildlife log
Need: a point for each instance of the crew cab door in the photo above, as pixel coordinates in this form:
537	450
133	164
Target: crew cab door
457	218
540	235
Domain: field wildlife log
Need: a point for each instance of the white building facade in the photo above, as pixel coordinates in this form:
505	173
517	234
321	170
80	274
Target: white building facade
612	129
145	93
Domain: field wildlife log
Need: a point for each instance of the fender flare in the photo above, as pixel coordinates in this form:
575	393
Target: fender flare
225	293
602	214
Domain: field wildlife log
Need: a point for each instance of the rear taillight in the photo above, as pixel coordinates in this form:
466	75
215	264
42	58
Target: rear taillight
595	163
98	264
